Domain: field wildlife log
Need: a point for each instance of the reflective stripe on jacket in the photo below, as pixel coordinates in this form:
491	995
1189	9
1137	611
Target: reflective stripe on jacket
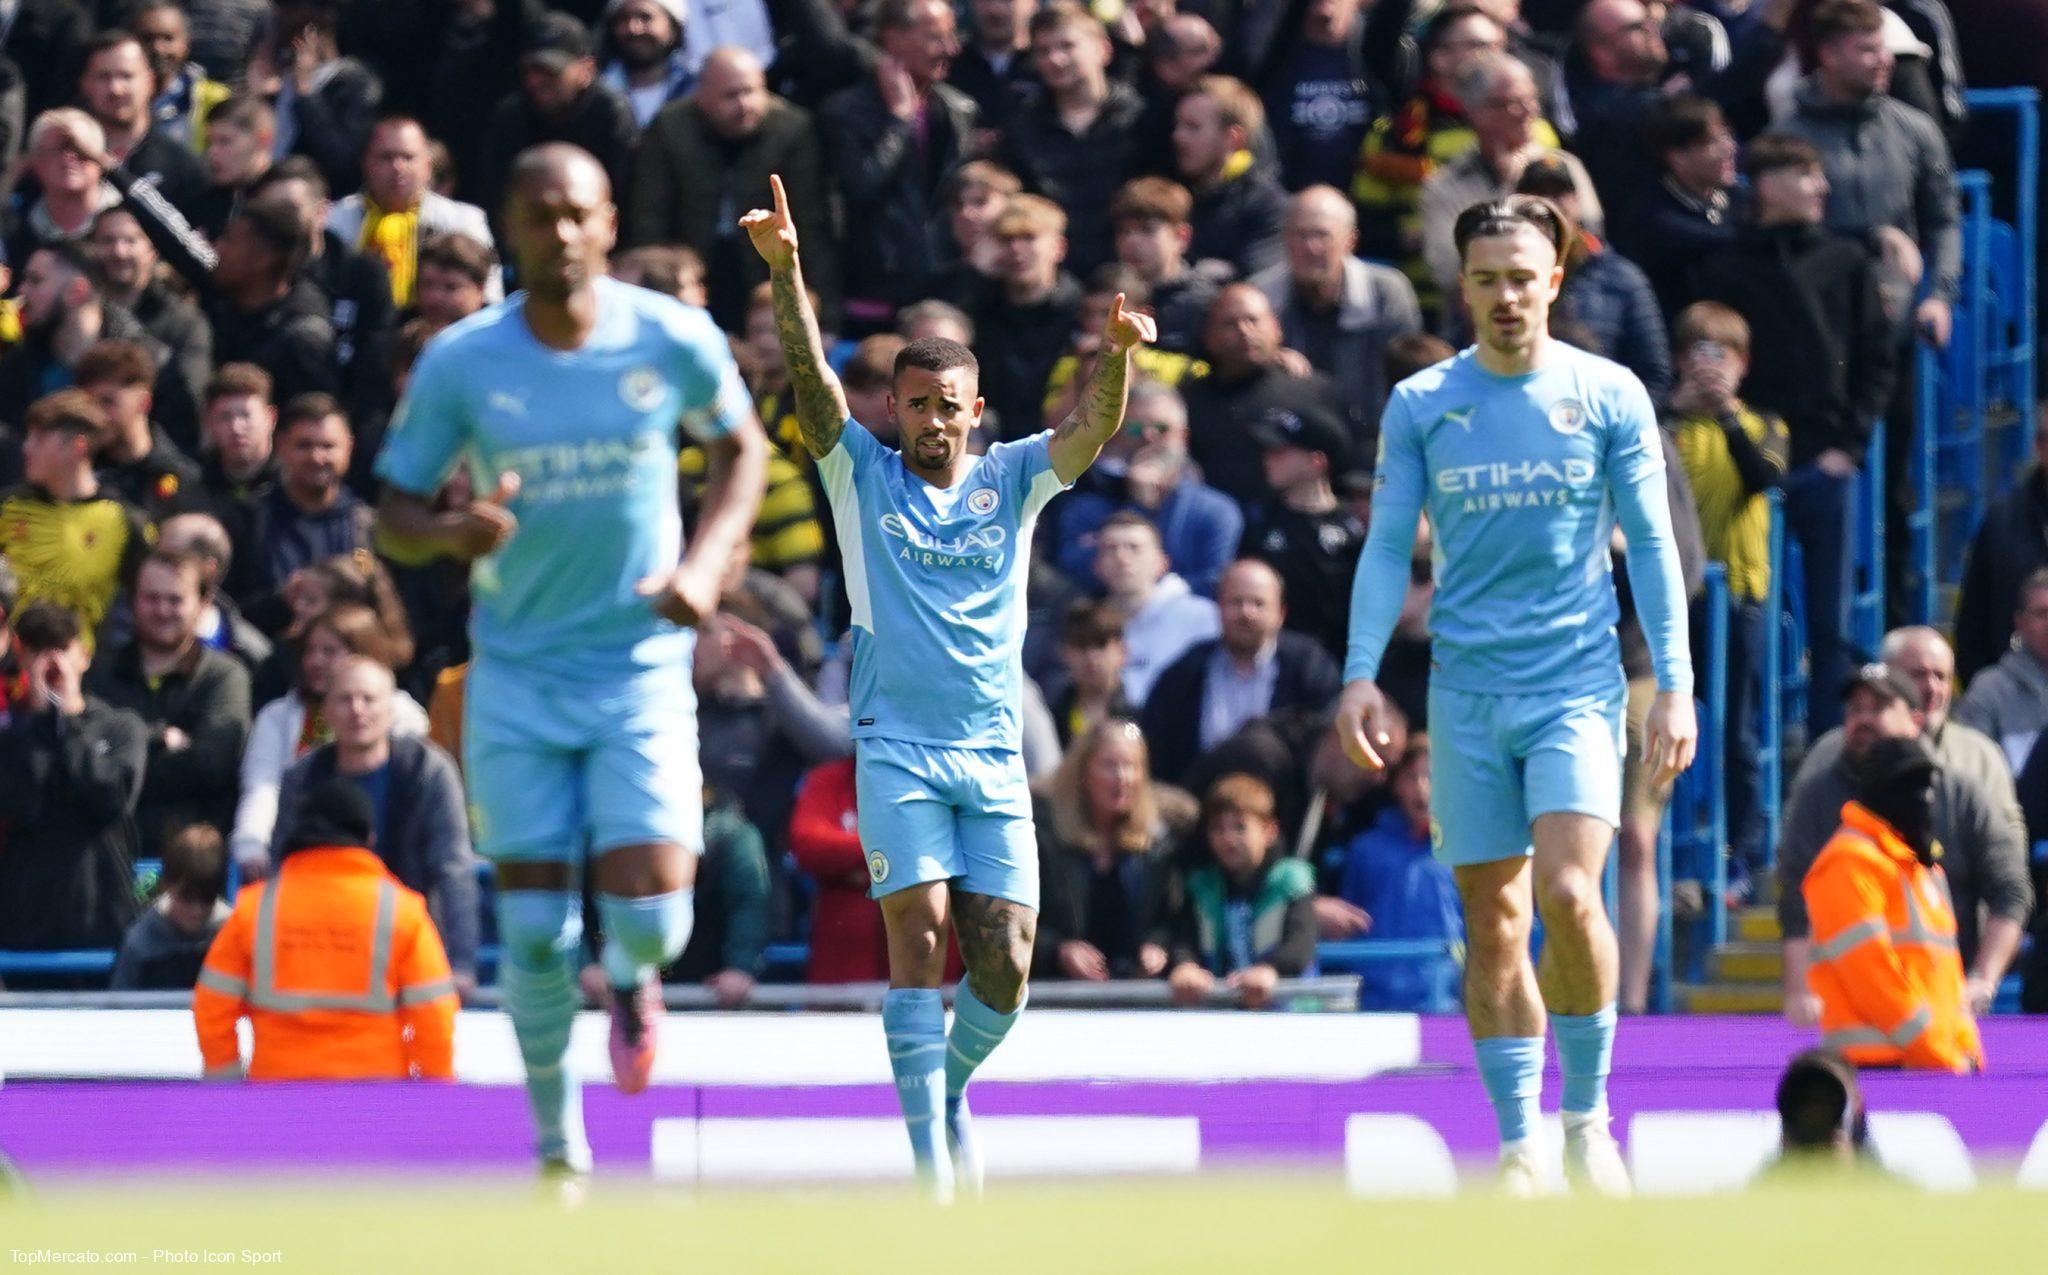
1885	964
339	970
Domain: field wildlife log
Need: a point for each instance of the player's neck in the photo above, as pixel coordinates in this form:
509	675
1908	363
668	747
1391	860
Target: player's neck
946	476
1516	362
564	322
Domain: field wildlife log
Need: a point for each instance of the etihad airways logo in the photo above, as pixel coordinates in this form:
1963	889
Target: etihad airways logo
1518	484
981	547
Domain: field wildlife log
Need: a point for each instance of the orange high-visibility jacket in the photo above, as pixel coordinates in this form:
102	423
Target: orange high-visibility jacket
340	972
1885	964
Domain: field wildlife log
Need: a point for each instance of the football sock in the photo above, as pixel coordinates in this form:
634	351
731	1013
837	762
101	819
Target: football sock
643	934
977	1030
914	1020
1512	1067
1585	1047
540	930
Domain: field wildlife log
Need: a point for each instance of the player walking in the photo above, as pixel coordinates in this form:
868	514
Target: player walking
937	545
580	720
1524	452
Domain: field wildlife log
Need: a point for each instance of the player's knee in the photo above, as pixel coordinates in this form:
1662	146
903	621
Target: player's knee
1495	940
1000	983
1569	893
539	927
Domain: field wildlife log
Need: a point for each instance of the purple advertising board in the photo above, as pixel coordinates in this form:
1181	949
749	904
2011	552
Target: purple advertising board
1699	1066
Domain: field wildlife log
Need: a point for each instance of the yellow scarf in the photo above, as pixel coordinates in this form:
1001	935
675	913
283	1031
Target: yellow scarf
394	238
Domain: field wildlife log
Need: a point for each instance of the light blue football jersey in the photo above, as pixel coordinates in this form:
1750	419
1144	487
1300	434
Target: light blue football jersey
593	435
936	577
1524	479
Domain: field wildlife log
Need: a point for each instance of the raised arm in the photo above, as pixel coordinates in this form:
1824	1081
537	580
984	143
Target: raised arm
1079	439
820	404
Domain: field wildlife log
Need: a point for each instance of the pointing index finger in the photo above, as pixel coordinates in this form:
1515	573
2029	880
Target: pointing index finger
781	199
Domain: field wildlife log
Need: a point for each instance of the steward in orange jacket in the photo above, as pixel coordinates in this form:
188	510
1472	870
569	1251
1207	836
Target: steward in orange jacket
336	965
1885	964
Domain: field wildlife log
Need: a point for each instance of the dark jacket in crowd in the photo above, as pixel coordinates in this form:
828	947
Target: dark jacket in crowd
283	537
1019	345
169	165
690	186
997	94
423	833
1118	911
159	483
1306	677
1221	415
208	699
176	325
600	122
157	956
67	865
2010	545
47	40
1820	346
29	369
889	187
1238	222
1080	174
1668	235
1316	556
1610	299
1348	343
732	892
331	125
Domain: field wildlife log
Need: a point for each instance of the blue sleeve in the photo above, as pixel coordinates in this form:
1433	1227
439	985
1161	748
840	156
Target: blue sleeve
431	427
1377	590
1028	472
1642	505
715	399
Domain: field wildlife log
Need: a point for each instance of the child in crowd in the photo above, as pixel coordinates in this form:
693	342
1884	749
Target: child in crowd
1390	873
165	947
1249	916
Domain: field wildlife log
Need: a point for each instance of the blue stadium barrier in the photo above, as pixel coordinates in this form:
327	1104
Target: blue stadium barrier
1353	956
1696	843
1867	584
1771	724
1923	580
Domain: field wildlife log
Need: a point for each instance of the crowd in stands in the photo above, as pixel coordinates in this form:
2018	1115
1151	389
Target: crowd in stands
231	226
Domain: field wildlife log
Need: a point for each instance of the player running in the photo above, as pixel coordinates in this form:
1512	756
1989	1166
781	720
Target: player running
1524	452
579	733
937	544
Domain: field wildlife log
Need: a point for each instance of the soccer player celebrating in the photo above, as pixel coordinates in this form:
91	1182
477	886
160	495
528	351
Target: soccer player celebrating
1525	452
937	545
580	731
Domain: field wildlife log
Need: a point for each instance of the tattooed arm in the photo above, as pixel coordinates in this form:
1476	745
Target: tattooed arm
1079	439
820	404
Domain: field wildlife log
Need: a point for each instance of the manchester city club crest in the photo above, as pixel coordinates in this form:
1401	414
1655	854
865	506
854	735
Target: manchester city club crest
878	866
640	388
981	502
1567	416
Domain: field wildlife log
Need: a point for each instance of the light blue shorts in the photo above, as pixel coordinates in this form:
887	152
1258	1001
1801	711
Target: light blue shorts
558	768
940	814
1498	761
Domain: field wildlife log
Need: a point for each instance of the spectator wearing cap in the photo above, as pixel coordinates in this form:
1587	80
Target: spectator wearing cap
891	141
1080	139
138	462
1499	97
2009	700
335	963
1688	214
1238	205
325	102
1339	311
1301	530
712	152
397	212
1979	828
193	699
644	62
1161	615
1249	374
70	541
1605	296
74	765
558	100
1884	964
1150	218
419	818
1145	469
1255	668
